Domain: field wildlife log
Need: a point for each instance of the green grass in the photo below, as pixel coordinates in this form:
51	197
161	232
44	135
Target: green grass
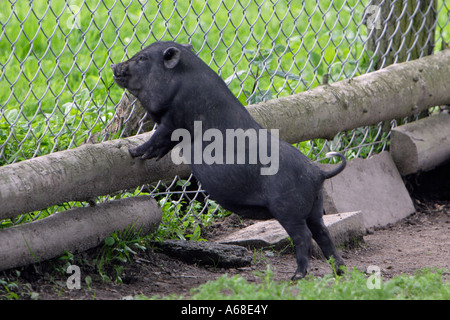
424	284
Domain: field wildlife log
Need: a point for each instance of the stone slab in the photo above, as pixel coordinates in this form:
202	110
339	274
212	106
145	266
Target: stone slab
373	186
206	253
343	227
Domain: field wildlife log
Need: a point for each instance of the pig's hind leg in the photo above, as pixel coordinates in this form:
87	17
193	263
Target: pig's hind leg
321	234
290	217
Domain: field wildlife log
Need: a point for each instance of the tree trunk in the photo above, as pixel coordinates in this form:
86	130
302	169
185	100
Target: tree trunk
400	30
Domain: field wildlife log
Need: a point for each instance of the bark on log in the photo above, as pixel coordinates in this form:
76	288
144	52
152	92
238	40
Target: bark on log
397	91
79	174
75	230
421	145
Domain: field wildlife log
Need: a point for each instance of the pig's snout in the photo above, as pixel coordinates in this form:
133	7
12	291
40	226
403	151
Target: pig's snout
120	74
119	70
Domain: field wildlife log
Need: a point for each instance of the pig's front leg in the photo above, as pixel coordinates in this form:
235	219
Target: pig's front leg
157	146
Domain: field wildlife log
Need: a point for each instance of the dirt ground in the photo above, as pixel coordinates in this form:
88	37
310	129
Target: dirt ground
419	241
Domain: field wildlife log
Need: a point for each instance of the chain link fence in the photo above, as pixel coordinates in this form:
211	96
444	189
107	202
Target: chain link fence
57	91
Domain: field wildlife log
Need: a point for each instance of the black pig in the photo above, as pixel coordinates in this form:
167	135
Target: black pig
179	90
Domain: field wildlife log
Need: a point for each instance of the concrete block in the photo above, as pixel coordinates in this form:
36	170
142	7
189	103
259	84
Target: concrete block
343	227
373	186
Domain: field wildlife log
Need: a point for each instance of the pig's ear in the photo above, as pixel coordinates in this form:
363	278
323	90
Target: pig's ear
171	57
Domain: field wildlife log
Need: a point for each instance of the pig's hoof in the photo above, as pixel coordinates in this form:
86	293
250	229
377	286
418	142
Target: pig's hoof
298	276
340	269
134	152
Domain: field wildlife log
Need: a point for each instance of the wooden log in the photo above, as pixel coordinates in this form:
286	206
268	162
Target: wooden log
75	230
421	145
79	174
394	92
